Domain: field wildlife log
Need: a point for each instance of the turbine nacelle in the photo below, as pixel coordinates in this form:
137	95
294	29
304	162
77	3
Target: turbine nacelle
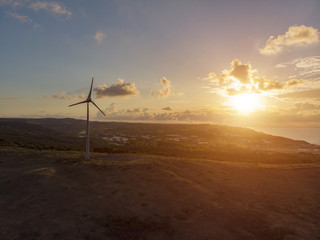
88	100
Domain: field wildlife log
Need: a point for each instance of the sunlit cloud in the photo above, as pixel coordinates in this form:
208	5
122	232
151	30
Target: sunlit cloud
293	117
21	18
241	79
167	109
166	90
308	110
52	7
305	114
307	67
120	89
307	106
296	36
99	36
305	94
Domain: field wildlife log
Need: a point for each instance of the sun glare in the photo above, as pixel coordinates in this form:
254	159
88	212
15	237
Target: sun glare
246	103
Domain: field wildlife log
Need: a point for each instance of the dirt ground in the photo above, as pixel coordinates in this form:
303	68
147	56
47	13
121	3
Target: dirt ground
58	195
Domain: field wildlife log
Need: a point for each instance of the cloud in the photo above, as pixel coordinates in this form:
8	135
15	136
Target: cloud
242	78
308	62
167	109
45	114
99	36
111	109
296	36
307	106
52	7
307	67
308	111
135	110
304	114
9	98
63	95
14	3
144	114
306	94
120	89
166	90
116	114
23	19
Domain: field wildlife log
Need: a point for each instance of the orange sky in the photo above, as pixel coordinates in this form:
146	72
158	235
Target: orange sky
244	63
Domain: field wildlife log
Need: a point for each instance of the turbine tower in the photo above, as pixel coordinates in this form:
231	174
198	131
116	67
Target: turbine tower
88	100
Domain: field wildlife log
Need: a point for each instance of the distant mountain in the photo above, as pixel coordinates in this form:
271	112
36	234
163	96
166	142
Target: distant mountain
191	140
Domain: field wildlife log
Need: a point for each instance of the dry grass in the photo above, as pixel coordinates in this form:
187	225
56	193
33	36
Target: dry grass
59	195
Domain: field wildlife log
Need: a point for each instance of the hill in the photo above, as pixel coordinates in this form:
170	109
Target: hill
58	195
180	140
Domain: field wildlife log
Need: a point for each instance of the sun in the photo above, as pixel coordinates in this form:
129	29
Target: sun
246	103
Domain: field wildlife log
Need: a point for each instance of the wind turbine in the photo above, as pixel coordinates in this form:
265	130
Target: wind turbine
88	100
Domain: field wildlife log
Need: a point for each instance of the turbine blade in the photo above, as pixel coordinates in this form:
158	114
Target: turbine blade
89	95
98	108
77	103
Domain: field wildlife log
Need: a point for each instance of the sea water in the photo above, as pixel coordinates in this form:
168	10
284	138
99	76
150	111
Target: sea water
311	135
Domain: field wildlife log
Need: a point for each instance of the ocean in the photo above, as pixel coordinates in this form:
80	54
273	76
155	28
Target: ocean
311	135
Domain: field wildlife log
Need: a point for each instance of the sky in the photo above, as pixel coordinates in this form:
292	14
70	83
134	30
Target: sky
247	63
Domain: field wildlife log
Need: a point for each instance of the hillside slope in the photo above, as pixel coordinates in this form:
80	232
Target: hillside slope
57	195
187	140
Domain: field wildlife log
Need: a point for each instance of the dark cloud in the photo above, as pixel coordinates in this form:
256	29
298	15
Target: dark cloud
167	109
120	89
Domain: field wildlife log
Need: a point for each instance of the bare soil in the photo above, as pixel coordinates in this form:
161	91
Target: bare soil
58	195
